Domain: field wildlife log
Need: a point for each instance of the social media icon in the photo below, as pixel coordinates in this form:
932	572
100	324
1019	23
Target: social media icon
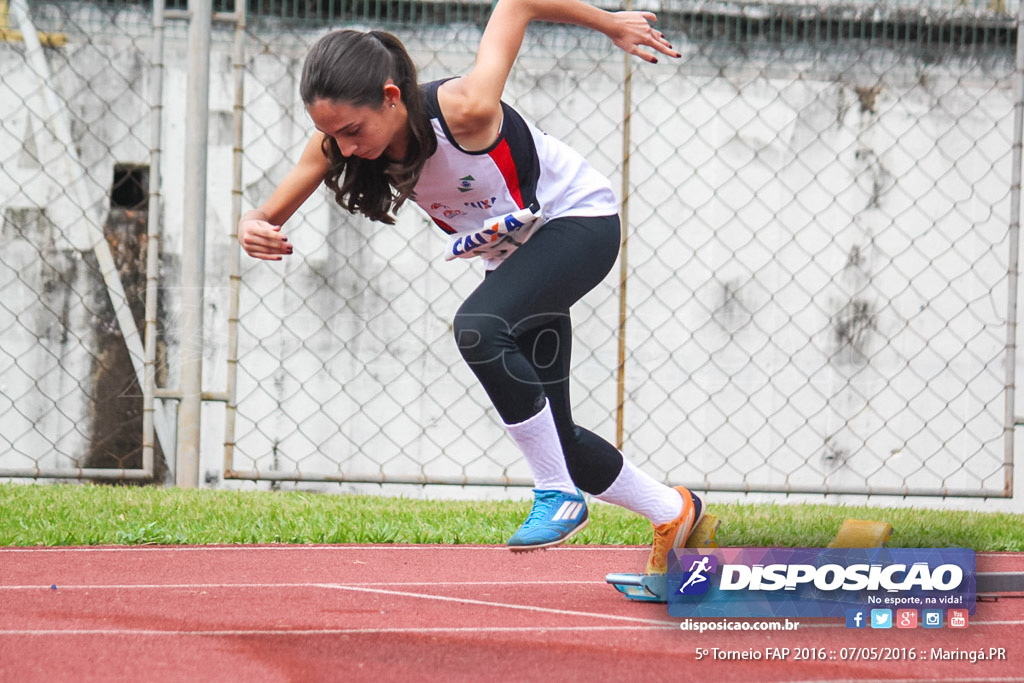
958	618
906	618
881	618
931	618
856	618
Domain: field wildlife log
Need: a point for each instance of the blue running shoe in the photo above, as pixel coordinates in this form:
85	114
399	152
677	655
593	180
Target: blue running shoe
556	516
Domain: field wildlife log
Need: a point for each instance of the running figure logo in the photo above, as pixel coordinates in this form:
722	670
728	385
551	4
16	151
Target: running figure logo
696	579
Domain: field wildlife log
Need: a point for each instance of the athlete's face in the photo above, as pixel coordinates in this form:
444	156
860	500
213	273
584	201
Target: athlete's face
365	132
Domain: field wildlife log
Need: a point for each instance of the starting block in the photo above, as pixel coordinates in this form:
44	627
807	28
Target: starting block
651	587
703	535
854	533
640	587
860	533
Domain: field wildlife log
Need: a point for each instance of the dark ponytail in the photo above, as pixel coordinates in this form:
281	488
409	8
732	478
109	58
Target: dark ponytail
353	67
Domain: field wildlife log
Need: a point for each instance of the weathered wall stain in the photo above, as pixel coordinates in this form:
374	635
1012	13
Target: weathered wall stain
116	396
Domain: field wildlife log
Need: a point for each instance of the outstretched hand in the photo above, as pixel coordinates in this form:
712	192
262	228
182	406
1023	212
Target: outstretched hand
633	30
262	240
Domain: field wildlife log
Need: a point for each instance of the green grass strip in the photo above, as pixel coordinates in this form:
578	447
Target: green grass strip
56	515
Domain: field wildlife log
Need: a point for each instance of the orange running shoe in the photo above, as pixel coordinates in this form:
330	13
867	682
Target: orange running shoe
675	533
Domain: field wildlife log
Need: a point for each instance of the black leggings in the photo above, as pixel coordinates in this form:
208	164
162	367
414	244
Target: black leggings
515	333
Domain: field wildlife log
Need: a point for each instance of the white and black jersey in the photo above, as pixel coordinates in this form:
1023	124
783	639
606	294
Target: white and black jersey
524	168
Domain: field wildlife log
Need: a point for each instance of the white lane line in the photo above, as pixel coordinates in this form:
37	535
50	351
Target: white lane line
330	631
504	605
129	586
368	588
380	587
344	548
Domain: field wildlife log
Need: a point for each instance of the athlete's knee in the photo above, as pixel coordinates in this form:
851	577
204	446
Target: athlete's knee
480	337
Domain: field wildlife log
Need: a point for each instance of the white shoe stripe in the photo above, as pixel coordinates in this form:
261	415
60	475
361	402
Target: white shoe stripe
680	539
568	510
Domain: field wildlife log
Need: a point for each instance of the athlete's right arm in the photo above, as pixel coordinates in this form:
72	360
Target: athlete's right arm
259	230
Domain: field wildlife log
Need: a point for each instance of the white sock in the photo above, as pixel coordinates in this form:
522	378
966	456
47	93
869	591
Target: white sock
641	493
537	438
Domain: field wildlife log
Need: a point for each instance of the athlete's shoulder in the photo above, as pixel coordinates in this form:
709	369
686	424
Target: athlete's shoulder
429	92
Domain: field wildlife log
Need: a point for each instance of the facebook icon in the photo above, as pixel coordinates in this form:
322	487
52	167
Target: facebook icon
856	618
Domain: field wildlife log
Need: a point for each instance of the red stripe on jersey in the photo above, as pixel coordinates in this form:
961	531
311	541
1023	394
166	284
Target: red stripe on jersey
444	226
502	157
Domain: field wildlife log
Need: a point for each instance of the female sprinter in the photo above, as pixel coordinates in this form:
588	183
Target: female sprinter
542	219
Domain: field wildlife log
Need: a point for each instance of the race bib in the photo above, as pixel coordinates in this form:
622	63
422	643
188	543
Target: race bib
499	235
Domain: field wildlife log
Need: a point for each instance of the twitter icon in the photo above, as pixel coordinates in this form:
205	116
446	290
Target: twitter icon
881	618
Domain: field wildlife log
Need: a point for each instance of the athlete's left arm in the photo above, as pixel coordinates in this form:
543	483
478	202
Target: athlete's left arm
472	104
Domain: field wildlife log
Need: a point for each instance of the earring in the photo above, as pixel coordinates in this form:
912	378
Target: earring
392	105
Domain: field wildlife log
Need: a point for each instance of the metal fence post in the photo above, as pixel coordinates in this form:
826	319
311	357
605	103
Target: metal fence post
620	390
1013	281
153	244
194	243
236	214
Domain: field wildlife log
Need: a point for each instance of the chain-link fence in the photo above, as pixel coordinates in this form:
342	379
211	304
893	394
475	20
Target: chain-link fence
819	275
821	252
74	157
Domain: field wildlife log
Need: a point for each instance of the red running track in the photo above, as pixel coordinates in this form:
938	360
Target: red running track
420	613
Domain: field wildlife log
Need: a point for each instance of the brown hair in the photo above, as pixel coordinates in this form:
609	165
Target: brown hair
353	67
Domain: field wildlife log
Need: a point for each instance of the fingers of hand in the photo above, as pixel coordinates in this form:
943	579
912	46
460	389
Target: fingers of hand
639	34
265	242
656	39
644	55
650	56
662	45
